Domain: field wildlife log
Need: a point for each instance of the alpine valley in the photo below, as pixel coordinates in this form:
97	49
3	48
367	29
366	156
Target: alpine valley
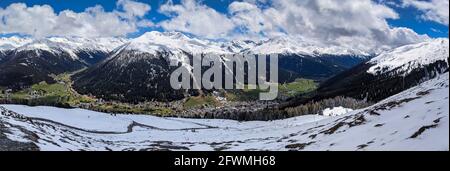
396	99
137	70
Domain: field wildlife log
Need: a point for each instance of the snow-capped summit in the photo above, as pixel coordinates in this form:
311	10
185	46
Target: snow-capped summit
55	47
73	45
152	42
239	46
391	72
406	58
290	45
9	43
280	45
106	44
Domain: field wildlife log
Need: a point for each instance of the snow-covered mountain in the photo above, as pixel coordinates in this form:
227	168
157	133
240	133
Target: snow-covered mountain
173	42
140	68
409	86
287	45
390	72
239	46
416	119
407	58
9	43
154	42
73	45
151	52
30	61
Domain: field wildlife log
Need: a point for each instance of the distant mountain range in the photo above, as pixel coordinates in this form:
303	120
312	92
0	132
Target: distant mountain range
25	62
387	74
137	69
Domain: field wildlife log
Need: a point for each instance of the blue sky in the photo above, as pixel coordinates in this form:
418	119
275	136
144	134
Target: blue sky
361	25
408	16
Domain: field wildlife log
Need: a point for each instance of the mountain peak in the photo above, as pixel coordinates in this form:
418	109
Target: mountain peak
9	43
152	42
408	57
72	45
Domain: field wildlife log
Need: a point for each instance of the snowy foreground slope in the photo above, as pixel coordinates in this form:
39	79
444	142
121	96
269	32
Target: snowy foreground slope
416	119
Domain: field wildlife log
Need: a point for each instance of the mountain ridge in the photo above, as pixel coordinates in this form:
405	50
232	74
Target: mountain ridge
387	74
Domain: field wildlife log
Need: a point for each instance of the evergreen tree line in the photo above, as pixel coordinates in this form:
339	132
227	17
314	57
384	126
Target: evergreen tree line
275	113
316	107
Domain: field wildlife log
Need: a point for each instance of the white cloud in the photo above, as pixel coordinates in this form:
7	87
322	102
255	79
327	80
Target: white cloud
42	20
352	23
253	21
133	9
360	24
434	10
195	18
356	24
